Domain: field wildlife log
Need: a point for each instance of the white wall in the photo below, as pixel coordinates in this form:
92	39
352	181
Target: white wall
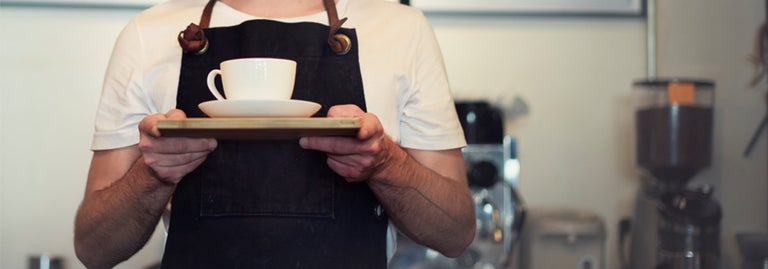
575	145
51	67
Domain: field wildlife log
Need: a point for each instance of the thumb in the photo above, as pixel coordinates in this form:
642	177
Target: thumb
175	114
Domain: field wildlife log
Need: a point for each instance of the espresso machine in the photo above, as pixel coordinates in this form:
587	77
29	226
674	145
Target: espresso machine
676	224
492	172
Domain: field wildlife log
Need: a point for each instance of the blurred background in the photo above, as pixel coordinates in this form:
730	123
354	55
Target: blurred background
575	142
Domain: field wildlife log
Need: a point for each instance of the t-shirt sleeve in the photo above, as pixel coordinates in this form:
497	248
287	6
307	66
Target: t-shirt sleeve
428	120
124	102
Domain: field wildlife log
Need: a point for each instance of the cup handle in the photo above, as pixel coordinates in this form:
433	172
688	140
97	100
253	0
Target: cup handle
212	84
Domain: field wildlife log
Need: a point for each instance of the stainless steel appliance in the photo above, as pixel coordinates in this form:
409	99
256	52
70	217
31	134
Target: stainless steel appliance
492	173
754	249
562	238
45	261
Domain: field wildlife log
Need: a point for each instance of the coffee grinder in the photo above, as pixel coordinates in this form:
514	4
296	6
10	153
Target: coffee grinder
673	128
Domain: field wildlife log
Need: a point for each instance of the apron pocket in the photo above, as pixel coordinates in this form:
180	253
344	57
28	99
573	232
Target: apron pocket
266	178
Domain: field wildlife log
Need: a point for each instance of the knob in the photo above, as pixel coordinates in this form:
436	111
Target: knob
482	174
469	258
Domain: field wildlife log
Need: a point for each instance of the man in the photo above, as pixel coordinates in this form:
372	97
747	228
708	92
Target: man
319	202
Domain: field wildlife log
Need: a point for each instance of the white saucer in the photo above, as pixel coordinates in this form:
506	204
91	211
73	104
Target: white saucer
258	108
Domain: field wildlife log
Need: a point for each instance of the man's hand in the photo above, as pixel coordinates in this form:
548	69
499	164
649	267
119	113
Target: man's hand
354	158
171	158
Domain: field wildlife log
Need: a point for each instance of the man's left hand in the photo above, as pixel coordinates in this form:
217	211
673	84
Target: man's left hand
354	158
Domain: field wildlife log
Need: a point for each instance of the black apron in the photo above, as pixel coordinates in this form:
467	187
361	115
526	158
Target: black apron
272	204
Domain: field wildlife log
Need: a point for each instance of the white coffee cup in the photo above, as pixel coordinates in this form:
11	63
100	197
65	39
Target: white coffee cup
254	78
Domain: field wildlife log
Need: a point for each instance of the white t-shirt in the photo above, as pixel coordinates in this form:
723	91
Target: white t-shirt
402	68
404	78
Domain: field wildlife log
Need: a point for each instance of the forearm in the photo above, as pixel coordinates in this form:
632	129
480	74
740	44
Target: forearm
428	207
115	222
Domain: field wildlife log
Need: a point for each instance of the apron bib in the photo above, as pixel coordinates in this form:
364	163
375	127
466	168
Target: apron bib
272	204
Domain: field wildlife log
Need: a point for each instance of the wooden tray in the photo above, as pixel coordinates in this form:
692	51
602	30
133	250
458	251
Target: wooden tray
258	128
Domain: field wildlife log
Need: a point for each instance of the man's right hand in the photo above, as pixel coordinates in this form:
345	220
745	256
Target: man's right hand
128	190
171	158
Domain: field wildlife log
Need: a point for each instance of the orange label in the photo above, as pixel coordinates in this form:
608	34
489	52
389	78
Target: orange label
681	93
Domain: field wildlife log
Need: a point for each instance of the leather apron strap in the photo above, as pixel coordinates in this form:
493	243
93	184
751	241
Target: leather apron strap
340	43
193	40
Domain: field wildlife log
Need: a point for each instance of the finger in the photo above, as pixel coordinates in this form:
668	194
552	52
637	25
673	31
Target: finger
370	127
187	145
176	114
170	160
345	111
331	145
357	162
346	160
148	125
176	173
348	172
177	145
